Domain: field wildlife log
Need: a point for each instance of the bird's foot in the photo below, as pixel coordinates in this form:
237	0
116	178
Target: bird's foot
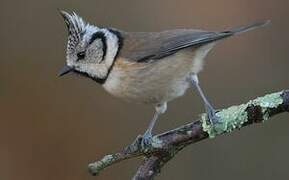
141	142
146	140
213	118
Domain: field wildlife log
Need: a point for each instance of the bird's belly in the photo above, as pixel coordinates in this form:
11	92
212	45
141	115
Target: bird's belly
151	83
155	93
150	90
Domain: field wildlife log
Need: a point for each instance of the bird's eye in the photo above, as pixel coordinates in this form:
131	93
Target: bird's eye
80	55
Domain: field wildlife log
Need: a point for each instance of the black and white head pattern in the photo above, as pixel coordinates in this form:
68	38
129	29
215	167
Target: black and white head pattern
91	51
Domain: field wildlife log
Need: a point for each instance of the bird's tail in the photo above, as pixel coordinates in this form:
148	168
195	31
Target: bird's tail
232	31
250	27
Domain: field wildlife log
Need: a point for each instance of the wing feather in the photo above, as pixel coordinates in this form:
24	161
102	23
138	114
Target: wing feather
143	47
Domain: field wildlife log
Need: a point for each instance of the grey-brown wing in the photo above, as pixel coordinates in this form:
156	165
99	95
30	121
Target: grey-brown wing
151	46
156	45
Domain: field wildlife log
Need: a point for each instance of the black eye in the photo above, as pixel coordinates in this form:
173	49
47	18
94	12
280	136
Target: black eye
80	55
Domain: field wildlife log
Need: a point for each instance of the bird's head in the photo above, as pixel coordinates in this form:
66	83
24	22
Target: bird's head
90	50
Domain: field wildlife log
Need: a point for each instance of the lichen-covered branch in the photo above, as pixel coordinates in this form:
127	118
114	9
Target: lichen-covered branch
165	146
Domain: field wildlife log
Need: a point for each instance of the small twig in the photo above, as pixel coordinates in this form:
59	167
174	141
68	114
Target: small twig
165	146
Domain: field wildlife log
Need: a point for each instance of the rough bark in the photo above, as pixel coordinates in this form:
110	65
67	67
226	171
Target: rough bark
166	145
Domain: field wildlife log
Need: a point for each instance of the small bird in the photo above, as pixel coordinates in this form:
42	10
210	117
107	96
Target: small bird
143	67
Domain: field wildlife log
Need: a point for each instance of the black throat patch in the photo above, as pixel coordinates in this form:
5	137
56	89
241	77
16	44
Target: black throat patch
84	74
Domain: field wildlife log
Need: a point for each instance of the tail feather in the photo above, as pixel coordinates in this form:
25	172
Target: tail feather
250	27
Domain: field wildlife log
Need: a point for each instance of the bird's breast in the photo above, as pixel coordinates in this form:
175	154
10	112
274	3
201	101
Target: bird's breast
155	82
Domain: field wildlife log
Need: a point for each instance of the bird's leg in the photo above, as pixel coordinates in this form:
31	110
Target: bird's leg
209	108
147	136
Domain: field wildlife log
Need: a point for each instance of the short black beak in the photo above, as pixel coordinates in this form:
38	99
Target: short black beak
66	69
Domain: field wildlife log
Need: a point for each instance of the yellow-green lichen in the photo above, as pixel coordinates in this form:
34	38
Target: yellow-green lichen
235	116
96	167
268	101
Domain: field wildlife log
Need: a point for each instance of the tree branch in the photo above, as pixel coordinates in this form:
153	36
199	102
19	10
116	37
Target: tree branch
166	145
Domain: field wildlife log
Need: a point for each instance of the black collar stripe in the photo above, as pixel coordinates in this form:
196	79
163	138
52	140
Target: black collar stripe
120	44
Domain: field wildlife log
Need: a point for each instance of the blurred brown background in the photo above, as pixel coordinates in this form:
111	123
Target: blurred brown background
50	128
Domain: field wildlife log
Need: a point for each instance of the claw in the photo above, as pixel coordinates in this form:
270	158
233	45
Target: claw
214	119
146	140
141	142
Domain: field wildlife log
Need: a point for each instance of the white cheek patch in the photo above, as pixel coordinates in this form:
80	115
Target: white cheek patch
94	70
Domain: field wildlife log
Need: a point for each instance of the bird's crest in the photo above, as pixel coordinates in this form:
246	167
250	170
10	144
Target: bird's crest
76	27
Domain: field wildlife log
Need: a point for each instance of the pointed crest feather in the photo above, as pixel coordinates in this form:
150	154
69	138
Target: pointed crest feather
76	27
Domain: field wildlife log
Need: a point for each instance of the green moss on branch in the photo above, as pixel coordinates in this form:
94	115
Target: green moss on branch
235	116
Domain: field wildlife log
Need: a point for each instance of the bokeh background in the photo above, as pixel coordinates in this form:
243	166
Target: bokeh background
51	128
